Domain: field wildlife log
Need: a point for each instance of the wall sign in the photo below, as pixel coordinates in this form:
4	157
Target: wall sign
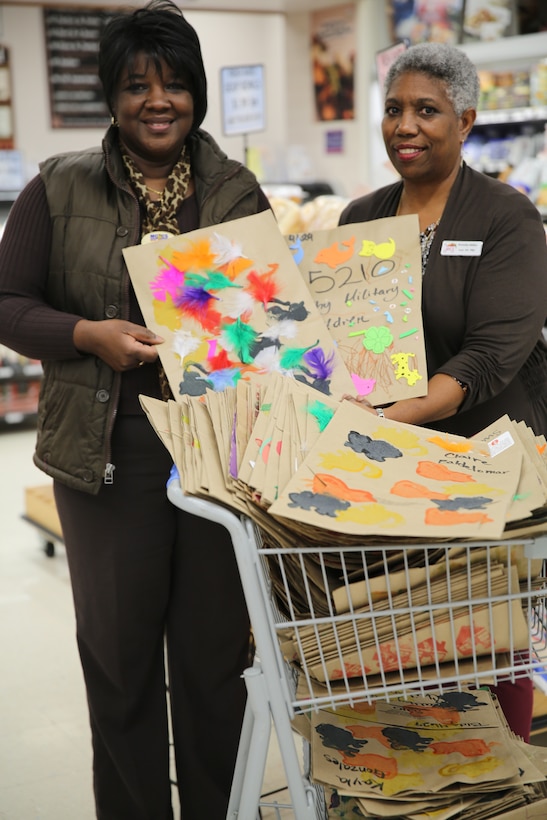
335	142
242	92
72	45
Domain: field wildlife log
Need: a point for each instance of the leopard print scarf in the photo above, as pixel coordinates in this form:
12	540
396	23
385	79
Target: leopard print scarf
161	215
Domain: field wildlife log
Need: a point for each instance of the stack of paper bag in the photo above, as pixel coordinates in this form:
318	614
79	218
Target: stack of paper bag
428	757
329	470
311	472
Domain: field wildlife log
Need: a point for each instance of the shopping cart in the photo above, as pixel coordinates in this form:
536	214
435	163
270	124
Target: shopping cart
330	631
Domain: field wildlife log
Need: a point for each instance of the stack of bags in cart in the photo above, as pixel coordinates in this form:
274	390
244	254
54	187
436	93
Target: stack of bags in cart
312	472
412	615
312	468
440	755
324	469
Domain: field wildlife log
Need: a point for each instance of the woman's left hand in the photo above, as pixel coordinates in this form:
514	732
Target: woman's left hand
360	401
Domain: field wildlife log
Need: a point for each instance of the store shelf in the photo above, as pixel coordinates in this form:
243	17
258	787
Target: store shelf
20	377
26	371
20	381
9	196
511	115
19	402
514	51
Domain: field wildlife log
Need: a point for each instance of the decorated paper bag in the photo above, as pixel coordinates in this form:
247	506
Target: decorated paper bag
506	435
423	744
501	628
157	412
367	282
229	301
371	476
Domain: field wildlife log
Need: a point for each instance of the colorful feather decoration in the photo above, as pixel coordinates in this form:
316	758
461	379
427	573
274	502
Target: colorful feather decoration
197	257
238	303
167	282
195	280
268	360
212	280
319	365
192	298
225	250
220	361
218	281
221	379
184	343
196	304
285	327
236	266
262	286
293	356
240	337
321	413
229	256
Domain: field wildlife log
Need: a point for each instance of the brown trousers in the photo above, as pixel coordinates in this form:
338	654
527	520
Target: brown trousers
146	575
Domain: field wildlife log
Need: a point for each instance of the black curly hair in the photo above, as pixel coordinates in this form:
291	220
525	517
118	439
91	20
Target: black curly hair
160	31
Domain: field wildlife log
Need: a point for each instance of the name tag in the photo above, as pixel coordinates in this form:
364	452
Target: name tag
452	248
155	236
500	443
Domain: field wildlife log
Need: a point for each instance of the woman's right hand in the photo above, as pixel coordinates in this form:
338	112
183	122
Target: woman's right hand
122	345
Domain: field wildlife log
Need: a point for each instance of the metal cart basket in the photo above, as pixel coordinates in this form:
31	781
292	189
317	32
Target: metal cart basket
340	625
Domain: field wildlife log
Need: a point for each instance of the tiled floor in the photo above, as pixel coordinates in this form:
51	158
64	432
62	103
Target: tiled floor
45	755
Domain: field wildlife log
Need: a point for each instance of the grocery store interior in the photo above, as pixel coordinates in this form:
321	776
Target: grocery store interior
311	162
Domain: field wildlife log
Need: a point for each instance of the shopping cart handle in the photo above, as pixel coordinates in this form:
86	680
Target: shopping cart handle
205	509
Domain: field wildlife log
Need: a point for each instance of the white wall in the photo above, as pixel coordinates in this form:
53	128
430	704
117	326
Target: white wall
226	39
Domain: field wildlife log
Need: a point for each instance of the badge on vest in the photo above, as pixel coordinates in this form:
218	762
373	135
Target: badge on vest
451	247
155	235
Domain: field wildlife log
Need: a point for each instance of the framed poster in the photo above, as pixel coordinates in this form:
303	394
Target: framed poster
333	47
243	99
72	45
489	21
421	21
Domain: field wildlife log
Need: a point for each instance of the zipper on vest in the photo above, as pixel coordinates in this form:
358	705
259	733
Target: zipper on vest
108	475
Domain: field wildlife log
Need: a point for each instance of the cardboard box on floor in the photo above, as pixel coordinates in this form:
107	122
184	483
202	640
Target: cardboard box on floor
40	509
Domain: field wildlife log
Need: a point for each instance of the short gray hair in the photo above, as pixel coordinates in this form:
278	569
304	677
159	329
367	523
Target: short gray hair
444	62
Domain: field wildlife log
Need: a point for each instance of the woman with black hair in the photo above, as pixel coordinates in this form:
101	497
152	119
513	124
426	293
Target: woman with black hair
144	574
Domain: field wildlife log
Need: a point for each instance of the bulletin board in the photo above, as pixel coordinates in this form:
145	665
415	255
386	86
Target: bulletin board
72	45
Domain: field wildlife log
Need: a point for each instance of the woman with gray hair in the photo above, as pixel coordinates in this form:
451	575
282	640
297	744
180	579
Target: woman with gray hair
484	265
447	64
